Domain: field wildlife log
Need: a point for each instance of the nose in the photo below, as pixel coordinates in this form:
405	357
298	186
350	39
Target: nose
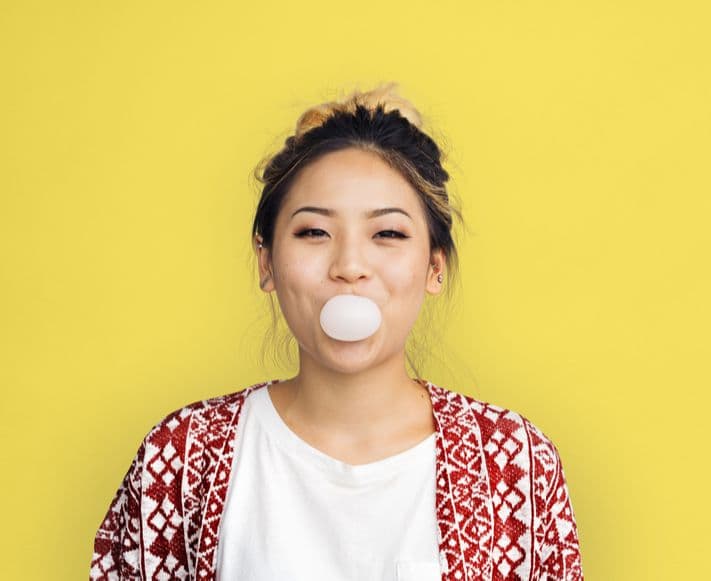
349	262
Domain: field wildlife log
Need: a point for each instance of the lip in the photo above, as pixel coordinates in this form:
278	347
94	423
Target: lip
351	293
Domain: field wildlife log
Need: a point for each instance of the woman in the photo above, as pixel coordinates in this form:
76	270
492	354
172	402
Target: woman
350	470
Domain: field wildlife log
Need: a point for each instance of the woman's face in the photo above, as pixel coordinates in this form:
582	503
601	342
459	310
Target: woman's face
350	224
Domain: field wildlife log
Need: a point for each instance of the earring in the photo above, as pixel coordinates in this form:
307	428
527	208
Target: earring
435	268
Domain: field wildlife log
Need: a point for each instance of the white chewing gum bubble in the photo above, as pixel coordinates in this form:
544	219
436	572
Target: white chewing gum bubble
350	317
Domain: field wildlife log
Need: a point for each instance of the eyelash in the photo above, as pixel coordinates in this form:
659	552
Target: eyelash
303	233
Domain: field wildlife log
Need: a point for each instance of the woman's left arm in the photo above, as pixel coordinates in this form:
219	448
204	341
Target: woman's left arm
560	553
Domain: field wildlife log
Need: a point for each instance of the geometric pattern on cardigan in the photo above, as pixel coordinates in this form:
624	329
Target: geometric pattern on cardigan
502	503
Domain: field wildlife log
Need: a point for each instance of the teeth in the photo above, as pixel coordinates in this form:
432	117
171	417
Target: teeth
350	317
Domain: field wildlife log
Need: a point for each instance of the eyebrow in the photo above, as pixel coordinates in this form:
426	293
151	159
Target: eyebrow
367	214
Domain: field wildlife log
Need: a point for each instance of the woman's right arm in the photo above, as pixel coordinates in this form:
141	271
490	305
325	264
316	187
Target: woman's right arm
117	545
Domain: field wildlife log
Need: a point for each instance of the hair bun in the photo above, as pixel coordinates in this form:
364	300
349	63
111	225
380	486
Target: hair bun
384	94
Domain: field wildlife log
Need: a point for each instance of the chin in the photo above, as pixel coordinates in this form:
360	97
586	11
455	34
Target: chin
349	367
350	356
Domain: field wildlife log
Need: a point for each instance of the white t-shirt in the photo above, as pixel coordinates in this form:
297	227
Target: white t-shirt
294	513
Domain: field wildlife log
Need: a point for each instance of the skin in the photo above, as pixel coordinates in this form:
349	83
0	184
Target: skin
352	400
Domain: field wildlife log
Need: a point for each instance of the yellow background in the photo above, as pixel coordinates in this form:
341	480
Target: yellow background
578	138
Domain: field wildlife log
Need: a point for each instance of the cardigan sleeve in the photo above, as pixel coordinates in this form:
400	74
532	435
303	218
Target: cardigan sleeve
117	552
561	549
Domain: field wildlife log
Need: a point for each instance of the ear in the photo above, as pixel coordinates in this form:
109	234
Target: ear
437	266
266	282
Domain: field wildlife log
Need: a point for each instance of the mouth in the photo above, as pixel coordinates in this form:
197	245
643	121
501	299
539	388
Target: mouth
350	317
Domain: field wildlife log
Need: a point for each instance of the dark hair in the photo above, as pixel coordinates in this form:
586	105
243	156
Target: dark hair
377	121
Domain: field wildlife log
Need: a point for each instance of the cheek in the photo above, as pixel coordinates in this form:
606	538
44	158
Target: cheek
408	272
406	281
294	271
297	284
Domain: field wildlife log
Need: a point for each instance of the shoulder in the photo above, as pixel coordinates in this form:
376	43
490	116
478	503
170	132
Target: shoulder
488	415
206	416
506	435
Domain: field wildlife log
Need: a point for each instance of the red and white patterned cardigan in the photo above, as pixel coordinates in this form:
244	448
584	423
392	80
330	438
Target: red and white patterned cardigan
503	509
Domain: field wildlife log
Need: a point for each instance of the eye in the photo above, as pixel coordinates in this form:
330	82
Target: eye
393	234
318	233
306	233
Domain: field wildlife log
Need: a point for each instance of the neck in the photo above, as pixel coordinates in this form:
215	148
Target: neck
360	405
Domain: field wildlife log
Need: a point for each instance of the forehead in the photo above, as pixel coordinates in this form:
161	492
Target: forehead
351	178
